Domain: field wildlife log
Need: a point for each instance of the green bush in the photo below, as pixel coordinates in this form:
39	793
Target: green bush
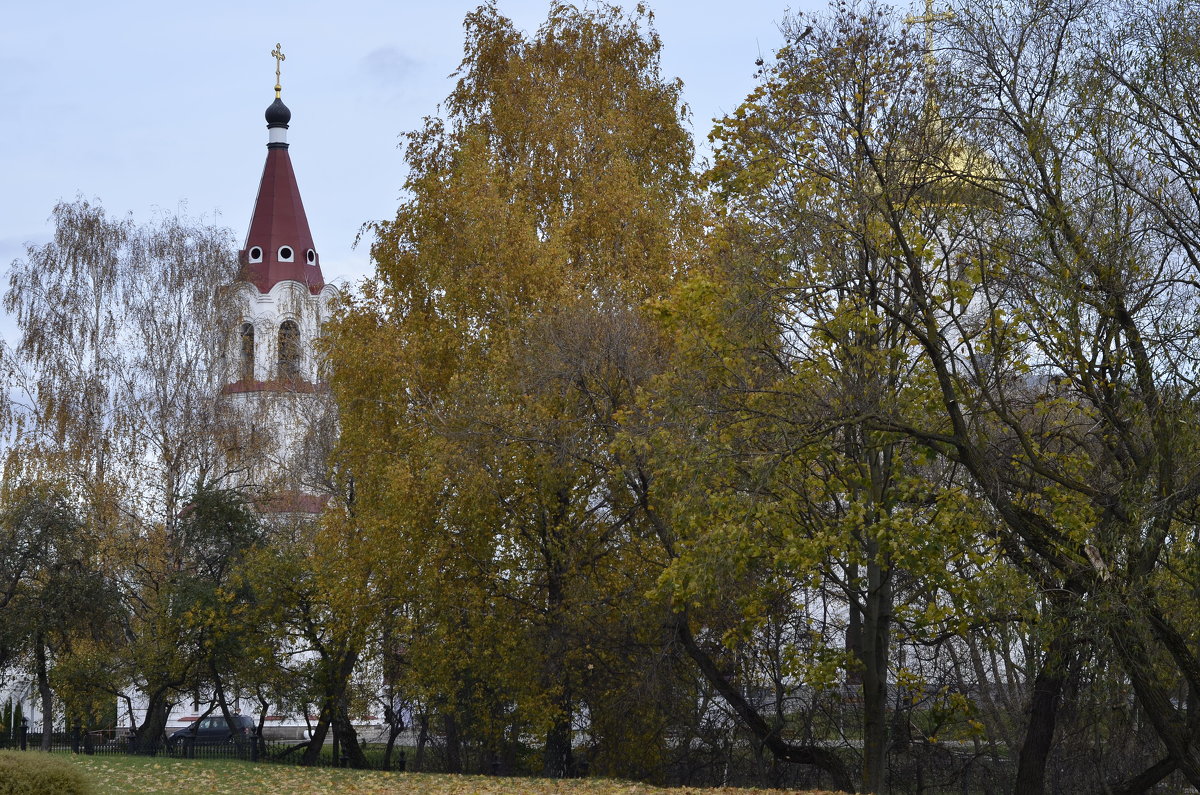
36	773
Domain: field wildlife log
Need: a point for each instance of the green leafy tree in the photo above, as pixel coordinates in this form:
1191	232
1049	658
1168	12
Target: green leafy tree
317	591
216	538
57	603
821	497
1087	299
1031	215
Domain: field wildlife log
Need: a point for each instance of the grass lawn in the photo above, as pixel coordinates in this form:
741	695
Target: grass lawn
122	775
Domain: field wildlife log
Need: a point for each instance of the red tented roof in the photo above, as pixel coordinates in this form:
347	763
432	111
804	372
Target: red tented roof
279	221
293	502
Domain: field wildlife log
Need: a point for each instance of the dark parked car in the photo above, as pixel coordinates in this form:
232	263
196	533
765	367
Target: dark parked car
214	730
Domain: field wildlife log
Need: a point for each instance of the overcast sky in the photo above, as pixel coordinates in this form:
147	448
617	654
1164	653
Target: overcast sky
144	105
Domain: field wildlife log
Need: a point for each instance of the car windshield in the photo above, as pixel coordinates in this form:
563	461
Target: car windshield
216	723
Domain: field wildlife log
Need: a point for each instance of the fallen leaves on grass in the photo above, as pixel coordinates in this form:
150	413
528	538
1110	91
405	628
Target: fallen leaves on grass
122	775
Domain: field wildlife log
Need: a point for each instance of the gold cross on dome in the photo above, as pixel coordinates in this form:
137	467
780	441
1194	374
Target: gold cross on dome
929	19
279	57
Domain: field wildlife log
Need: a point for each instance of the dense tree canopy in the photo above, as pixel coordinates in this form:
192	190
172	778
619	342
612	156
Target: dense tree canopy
864	455
1022	237
502	333
859	430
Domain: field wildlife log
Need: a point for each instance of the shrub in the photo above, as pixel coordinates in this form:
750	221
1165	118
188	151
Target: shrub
36	773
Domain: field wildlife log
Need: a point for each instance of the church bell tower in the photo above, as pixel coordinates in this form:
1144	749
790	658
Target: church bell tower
274	386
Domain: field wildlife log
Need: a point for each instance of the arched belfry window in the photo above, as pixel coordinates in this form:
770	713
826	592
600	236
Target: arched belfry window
246	355
289	350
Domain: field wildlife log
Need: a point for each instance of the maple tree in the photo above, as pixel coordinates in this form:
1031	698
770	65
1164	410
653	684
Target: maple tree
821	501
1038	266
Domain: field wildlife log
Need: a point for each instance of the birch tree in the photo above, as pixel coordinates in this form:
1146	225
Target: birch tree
115	376
555	191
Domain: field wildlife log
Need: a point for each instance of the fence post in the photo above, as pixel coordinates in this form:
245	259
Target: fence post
75	736
402	762
254	747
24	732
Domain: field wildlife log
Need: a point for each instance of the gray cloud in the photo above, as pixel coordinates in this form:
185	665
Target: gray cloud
389	67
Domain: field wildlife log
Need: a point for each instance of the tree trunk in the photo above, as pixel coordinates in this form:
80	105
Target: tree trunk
223	703
557	762
44	691
453	749
150	733
1043	715
395	722
312	754
875	638
336	675
854	630
1143	781
262	719
1154	700
349	737
512	744
422	742
822	758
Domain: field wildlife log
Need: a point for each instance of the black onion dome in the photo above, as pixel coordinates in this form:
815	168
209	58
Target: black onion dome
278	114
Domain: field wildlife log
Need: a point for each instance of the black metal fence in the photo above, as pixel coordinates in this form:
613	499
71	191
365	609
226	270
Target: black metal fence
249	749
94	742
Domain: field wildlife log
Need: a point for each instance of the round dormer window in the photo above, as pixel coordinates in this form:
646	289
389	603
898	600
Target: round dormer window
255	254
311	256
286	254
